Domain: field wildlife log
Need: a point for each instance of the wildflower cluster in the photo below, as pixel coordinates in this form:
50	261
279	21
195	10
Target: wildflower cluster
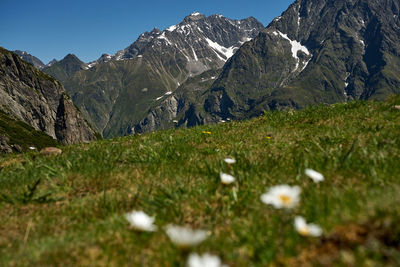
288	197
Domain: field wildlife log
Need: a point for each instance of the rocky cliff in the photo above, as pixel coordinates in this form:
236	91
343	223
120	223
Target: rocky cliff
29	95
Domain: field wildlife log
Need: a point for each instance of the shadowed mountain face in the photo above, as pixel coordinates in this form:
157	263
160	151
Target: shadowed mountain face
30	95
116	91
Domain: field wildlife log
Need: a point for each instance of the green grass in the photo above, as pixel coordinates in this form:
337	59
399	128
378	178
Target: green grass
69	210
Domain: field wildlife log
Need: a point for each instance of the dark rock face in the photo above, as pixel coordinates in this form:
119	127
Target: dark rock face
70	125
29	95
37	63
318	51
117	90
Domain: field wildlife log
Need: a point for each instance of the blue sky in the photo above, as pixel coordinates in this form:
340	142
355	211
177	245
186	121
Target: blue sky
88	28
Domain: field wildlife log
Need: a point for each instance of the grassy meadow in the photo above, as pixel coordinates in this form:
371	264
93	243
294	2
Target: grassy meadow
69	210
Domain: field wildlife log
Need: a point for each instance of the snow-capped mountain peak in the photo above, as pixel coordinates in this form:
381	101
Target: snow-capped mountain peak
198	39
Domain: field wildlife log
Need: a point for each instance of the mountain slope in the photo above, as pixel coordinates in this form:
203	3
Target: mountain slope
32	96
117	90
316	52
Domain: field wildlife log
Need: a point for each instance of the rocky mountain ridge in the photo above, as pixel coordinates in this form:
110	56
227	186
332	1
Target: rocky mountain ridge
29	95
37	63
223	35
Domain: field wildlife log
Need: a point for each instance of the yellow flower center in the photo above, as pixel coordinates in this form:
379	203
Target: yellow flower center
304	231
285	199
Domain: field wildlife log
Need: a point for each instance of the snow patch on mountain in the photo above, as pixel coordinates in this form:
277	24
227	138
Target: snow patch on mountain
219	49
91	65
163	37
167	93
296	47
298	19
172	28
194	54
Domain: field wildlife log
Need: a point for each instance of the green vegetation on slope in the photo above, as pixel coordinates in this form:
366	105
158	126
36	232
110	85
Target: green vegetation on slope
69	210
23	134
64	68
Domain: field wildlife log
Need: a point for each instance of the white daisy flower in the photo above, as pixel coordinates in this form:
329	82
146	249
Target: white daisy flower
314	175
141	221
205	260
230	160
185	237
306	229
282	196
226	178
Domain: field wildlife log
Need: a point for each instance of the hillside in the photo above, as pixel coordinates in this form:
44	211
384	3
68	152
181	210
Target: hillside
70	209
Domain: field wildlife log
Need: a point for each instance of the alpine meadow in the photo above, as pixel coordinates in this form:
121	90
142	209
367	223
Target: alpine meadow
213	142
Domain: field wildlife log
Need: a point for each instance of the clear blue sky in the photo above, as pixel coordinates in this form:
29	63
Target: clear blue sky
88	28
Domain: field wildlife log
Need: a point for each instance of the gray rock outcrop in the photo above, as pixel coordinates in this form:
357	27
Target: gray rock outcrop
30	95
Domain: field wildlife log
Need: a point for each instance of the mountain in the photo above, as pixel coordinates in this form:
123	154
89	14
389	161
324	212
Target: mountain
30	95
116	91
315	52
318	51
63	69
37	63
